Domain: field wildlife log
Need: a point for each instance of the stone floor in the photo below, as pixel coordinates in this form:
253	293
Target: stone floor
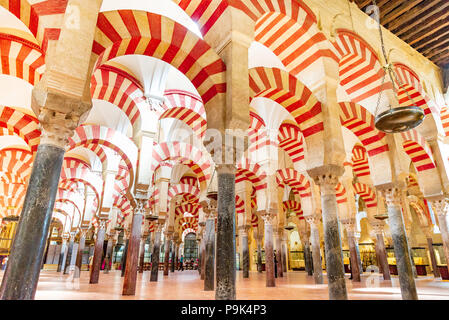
187	285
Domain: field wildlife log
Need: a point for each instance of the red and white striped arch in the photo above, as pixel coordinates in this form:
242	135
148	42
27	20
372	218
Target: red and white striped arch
418	150
187	108
298	182
412	181
126	32
257	133
361	122
21	58
289	92
193	181
183	189
360	70
254	220
124	205
70	162
23	125
291	141
253	172
411	85
191	208
85	176
289	29
295	207
94	134
17	162
341	193
119	88
185	154
239	205
359	160
42	17
444	115
366	193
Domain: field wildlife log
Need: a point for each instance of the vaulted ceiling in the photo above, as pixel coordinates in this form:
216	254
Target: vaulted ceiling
423	24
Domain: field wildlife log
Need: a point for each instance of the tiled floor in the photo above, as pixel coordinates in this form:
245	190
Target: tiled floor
187	285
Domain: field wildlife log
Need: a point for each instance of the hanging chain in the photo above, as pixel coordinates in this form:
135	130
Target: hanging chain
389	69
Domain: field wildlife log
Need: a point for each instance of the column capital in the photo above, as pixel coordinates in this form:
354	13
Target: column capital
102	223
244	229
326	177
58	114
349	225
392	195
313	220
226	168
440	206
377	226
139	208
266	217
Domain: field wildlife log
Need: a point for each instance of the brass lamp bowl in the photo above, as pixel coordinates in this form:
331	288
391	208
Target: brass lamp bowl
151	217
381	216
212	195
399	119
11	218
289	228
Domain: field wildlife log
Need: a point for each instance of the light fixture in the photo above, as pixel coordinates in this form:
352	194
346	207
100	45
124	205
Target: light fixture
395	119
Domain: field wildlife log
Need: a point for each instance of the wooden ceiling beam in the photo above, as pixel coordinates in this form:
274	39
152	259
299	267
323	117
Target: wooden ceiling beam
441	56
403	8
433	39
441	43
363	3
427	31
435	22
410	19
437	52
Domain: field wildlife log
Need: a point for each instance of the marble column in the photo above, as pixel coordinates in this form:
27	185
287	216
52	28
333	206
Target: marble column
259	253
79	257
308	258
62	255
108	257
203	258
129	283
433	260
313	221
209	266
173	257
98	253
269	252
243	235
284	250
225	257
167	252
357	238
124	255
155	255
327	179
142	252
441	208
24	264
69	254
401	251
408	233
280	270
381	252
354	262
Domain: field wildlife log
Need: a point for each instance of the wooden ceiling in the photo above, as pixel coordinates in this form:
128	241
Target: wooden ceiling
423	24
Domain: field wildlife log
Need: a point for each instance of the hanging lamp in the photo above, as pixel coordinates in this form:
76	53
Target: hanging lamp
396	118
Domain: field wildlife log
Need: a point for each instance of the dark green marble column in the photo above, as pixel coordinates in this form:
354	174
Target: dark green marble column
209	237
225	268
24	264
401	251
155	256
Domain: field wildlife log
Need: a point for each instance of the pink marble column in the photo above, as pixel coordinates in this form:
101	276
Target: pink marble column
269	252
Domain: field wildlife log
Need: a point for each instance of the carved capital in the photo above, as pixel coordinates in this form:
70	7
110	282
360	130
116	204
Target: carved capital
377	227
267	217
392	196
59	115
440	206
326	177
139	208
244	229
349	225
313	220
102	223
